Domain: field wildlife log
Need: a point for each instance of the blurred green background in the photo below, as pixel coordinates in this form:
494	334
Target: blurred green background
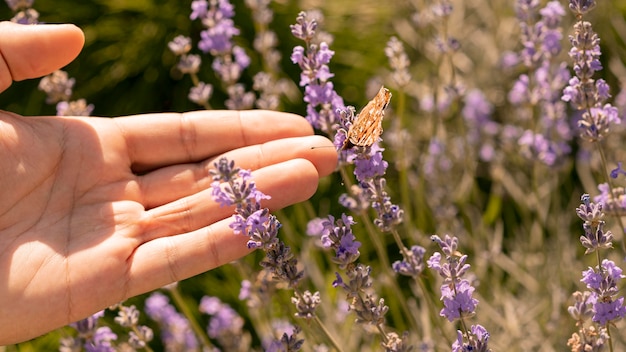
125	67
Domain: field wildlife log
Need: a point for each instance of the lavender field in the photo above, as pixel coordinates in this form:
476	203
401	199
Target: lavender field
486	216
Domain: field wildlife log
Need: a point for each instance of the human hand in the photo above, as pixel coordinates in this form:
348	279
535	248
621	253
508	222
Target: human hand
97	210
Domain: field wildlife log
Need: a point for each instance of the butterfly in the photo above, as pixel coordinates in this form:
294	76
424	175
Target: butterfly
368	124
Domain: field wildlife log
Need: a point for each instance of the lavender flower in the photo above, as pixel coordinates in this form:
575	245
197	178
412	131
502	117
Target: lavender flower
601	302
201	93
140	338
176	332
127	316
74	108
217	39
16	5
23	11
180	45
588	338
583	92
475	341
338	236
225	324
602	282
617	171
91	337
547	142
613	200
581	7
280	261
457	300
456	293
369	169
239	190
216	16
140	335
358	200
306	303
399	62
189	64
359	280
397	343
595	237
265	40
238	98
289	342
538	147
413	265
57	86
318	90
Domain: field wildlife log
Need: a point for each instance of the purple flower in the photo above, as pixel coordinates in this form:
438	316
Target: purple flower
57	86
88	325
199	9
457	301
477	340
583	303
245	292
581	7
592	279
189	64
315	227
306	303
101	341
176	332
538	147
338	236
583	92
313	61
180	45
224	320
552	14
369	166
618	170
266	234
477	109
398	61
413	265
288	342
256	221
348	247
201	93
596	122
611	311
220	28
16	5
304	28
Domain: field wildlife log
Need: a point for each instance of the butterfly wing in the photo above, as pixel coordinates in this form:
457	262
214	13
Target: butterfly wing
368	125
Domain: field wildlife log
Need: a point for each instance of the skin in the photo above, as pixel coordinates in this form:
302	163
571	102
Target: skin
96	210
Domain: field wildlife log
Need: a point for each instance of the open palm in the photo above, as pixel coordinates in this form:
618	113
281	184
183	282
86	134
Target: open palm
95	210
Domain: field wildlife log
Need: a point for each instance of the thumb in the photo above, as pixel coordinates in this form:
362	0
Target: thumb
31	51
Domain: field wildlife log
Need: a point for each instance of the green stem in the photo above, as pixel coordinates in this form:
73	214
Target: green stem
608	182
328	334
431	304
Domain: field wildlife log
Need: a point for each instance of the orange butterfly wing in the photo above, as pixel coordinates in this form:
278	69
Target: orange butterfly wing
368	125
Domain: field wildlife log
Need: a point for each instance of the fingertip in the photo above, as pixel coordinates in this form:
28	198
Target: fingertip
30	51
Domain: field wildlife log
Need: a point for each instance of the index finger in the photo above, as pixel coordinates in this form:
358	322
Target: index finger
158	140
